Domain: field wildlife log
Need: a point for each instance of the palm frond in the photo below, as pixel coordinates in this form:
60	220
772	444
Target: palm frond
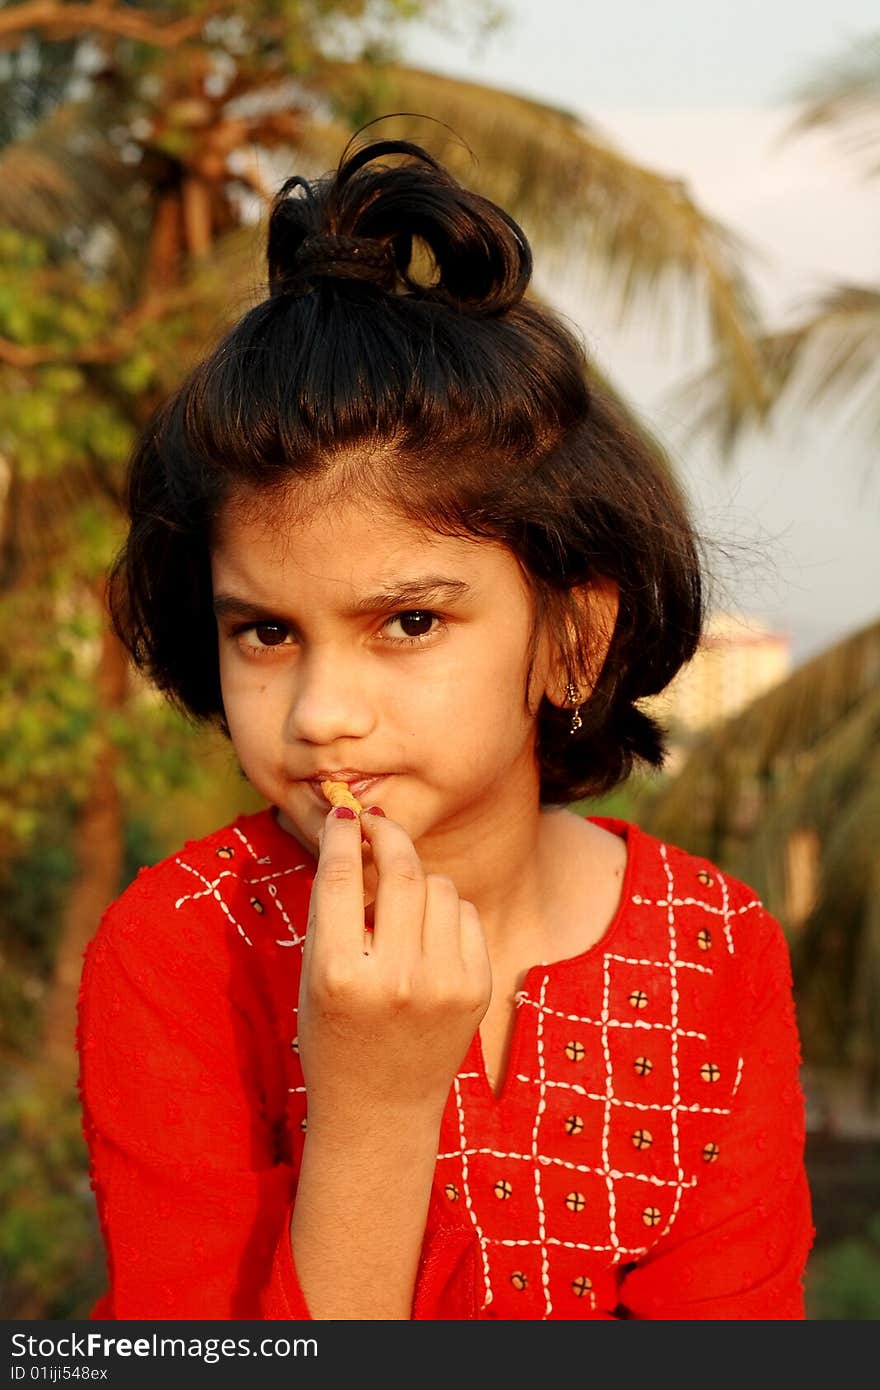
832	357
846	95
835	802
833	353
735	769
836	777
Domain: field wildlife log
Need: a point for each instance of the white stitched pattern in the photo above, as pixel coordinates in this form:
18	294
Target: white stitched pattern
295	937
725	909
463	1155
211	890
248	846
539	1202
673	1035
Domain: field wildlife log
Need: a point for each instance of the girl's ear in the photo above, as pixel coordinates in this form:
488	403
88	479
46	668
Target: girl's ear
598	603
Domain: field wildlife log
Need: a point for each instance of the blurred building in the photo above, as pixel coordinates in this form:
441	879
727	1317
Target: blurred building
738	659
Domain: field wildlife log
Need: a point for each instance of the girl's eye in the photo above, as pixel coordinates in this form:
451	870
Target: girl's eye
416	625
264	635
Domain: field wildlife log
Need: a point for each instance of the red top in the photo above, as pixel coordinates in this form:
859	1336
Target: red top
645	1159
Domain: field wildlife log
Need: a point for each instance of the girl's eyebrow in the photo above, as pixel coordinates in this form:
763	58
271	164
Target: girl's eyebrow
433	587
427	588
231	606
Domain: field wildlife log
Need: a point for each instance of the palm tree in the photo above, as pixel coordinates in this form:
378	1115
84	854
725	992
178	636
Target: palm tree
787	794
128	196
833	354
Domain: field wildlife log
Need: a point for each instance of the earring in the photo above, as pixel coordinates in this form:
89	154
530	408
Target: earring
573	697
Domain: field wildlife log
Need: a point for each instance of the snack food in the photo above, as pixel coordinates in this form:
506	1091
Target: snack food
338	794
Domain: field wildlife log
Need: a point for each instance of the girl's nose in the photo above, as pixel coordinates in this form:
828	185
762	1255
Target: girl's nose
329	701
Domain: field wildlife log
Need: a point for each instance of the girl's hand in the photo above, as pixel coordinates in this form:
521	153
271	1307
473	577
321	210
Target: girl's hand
384	1023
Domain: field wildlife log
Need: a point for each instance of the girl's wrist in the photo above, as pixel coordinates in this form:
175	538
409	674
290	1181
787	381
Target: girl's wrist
365	1125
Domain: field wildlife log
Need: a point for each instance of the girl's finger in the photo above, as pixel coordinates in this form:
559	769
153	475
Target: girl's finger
399	906
475	954
441	930
337	903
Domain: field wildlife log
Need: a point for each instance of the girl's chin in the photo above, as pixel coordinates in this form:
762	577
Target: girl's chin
307	839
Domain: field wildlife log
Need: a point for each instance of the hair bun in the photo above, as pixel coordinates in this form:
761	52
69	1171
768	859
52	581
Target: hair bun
344	257
363	223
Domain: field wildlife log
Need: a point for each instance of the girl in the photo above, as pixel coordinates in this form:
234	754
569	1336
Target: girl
466	1054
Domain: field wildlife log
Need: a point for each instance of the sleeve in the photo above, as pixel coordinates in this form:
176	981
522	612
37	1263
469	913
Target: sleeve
446	1280
738	1249
193	1203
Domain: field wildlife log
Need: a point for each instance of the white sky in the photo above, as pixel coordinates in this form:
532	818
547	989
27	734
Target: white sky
702	90
651	54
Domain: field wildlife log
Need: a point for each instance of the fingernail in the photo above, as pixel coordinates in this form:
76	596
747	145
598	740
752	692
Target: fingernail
374	811
343	813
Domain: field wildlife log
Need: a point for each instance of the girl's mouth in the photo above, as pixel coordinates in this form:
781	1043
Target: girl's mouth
359	788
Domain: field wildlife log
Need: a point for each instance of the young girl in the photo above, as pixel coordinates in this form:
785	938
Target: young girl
467	1054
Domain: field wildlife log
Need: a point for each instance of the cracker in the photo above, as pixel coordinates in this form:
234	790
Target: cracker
338	794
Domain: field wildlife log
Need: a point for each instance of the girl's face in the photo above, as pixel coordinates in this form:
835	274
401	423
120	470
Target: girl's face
357	644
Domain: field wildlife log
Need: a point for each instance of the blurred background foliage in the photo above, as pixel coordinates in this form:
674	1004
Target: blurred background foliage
139	146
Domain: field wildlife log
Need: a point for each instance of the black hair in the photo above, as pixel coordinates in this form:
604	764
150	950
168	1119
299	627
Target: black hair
396	351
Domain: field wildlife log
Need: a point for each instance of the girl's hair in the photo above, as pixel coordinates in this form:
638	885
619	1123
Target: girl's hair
396	358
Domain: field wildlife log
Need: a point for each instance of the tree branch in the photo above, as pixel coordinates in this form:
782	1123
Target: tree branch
60	21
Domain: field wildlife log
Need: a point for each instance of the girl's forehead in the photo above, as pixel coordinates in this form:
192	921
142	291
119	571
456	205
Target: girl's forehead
350	540
297	524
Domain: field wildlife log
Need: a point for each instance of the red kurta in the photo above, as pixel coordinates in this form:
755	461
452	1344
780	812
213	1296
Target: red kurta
645	1159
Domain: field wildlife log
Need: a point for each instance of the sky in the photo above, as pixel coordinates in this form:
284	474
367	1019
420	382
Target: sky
675	54
704	90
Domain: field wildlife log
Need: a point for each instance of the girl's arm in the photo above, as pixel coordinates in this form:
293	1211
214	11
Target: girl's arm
360	1214
192	1197
738	1249
382	1032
